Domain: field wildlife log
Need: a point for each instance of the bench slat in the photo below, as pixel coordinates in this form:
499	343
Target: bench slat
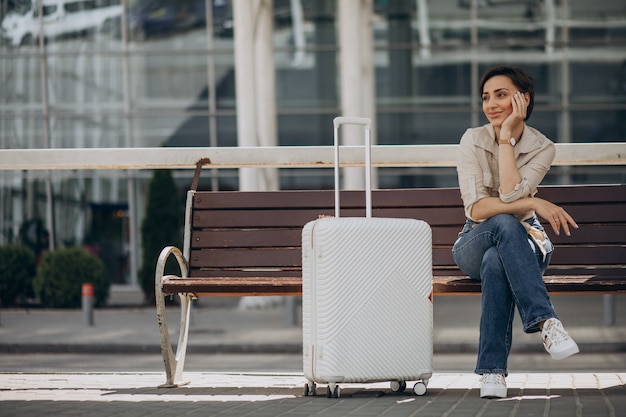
245	273
280	217
591	233
559	270
583	193
442	285
234	286
565	255
247	258
589	255
555	284
255	218
608	273
244	239
424	197
443	236
594	213
292	256
316	199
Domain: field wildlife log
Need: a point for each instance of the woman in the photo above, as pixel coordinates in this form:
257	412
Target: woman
499	168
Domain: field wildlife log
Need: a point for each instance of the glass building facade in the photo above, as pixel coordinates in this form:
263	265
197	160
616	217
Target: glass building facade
151	73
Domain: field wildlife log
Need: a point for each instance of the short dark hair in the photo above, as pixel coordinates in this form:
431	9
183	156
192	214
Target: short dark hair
522	80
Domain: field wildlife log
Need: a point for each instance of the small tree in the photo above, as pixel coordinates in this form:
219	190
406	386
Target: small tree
161	226
17	270
60	276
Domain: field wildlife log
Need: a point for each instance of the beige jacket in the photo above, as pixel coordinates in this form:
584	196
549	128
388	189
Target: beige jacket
477	167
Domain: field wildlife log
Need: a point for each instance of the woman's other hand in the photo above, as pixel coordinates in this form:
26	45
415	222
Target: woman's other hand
555	215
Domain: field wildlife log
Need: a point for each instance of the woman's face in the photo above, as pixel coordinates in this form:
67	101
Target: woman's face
496	97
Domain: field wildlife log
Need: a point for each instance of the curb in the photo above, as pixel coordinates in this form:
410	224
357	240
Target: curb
285	348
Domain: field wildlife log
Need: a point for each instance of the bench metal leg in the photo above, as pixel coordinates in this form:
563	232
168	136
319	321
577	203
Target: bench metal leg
609	309
174	362
291	311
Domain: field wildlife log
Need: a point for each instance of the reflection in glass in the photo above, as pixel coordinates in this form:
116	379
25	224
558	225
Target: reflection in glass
155	89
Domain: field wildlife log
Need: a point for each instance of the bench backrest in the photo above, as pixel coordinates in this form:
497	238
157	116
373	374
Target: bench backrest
259	233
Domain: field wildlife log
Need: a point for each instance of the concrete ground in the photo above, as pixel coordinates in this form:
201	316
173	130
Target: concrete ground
248	362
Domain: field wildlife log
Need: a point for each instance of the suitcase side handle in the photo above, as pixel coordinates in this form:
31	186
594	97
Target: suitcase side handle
366	123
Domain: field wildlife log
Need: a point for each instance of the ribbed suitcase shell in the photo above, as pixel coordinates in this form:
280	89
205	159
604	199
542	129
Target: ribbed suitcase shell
367	309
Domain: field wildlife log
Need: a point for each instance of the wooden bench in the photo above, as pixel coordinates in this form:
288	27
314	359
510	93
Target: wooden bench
249	243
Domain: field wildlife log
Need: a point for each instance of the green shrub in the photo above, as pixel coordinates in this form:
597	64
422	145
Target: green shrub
60	276
161	227
17	270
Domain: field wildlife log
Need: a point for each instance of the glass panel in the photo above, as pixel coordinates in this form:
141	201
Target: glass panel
422	127
323	179
188	130
168	80
606	87
22	129
87	130
512	26
597	23
305	58
449	28
306	179
157	19
21	104
421	79
581	175
599	126
547	122
305	129
67	19
83	79
417	177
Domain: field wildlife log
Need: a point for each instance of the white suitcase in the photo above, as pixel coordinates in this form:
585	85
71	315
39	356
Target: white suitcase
366	296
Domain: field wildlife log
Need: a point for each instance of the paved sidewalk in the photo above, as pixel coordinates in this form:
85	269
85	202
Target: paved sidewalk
223	328
272	395
564	388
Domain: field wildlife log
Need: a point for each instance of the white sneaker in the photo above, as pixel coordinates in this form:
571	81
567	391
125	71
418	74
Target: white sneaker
557	341
492	386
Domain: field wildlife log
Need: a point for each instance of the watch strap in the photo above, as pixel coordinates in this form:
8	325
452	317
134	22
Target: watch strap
510	141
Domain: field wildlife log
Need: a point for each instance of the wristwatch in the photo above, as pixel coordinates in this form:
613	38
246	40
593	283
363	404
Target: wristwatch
511	141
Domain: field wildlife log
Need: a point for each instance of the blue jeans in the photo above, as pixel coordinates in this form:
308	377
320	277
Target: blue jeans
498	253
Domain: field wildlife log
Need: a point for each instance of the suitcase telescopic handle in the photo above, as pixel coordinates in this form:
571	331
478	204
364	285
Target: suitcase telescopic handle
366	123
363	121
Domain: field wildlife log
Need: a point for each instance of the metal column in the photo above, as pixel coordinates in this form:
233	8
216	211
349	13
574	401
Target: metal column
356	76
255	86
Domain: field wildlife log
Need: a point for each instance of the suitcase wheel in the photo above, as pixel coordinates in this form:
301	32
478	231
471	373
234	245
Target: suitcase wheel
420	388
333	391
398	386
310	389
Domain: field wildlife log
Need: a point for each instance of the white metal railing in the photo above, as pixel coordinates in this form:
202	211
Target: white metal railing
570	154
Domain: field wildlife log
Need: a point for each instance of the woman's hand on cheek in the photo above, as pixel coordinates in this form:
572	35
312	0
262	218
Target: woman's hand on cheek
518	112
